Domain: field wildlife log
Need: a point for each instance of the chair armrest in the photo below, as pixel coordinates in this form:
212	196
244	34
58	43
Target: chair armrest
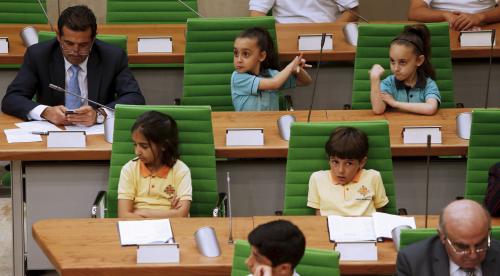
99	206
402	212
347	107
177	101
459	105
220	208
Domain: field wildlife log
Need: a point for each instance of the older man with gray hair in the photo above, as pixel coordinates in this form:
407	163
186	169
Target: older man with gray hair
463	246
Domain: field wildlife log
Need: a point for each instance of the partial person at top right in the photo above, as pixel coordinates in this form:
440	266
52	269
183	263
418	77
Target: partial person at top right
460	14
306	11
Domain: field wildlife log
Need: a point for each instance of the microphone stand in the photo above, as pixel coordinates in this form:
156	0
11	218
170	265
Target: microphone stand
62	90
427	179
230	211
351	11
323	37
44	12
191	9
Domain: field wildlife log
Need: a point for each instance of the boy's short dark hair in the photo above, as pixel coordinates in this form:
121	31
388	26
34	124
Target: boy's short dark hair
347	143
160	129
77	18
280	241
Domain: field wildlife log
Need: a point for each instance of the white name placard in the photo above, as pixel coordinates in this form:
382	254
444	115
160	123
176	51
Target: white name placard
154	44
4	45
244	137
158	253
312	42
66	139
418	134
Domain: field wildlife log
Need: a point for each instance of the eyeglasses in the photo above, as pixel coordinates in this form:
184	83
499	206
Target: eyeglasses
464	249
81	49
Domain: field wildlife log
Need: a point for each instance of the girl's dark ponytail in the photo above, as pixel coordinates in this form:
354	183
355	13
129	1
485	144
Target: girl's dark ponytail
418	37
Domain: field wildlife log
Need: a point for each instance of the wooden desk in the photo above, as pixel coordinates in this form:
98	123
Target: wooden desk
79	247
452	144
287	42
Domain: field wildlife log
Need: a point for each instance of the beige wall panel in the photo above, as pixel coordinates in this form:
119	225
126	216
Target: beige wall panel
223	8
97	6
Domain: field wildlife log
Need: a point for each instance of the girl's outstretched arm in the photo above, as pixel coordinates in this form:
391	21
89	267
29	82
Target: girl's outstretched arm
378	105
277	81
430	106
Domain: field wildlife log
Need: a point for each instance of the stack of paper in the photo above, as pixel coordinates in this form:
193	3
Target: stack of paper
134	232
18	135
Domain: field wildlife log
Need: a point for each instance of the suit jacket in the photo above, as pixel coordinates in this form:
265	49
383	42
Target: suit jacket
109	79
428	257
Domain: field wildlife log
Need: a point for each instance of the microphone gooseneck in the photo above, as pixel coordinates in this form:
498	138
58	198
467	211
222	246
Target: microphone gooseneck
46	15
323	37
230	211
350	11
427	179
62	90
191	9
493	31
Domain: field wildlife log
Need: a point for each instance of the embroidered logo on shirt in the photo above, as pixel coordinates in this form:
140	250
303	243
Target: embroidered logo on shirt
364	192
170	191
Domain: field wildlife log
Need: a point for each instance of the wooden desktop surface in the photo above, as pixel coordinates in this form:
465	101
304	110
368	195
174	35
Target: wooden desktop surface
91	246
287	35
78	247
274	147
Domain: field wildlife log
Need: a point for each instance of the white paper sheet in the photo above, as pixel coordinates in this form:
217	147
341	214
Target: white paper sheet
144	231
38	126
91	130
18	135
384	223
350	229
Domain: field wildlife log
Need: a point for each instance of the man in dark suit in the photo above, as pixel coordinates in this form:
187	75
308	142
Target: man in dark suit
463	246
78	62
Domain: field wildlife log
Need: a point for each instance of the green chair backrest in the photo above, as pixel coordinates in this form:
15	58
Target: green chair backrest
149	11
22	12
315	261
196	147
306	154
484	151
208	60
117	40
373	47
410	236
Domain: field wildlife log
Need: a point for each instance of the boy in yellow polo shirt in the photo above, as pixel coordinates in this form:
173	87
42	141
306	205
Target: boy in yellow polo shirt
346	189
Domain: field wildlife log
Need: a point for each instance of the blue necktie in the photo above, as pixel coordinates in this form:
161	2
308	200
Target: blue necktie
73	102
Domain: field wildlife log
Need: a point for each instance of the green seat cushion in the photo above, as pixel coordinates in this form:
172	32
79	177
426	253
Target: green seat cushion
22	12
149	11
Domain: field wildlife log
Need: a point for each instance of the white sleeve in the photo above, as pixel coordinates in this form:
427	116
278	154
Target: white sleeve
261	5
36	113
347	3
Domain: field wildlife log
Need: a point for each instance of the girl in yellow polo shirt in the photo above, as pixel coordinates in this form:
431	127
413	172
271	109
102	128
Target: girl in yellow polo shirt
347	189
155	184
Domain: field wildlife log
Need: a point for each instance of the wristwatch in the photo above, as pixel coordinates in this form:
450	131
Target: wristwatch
101	115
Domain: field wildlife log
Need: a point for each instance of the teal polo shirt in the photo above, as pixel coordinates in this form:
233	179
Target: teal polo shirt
422	90
247	96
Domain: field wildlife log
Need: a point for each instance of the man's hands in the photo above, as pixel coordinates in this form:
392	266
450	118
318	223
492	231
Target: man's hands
84	115
463	21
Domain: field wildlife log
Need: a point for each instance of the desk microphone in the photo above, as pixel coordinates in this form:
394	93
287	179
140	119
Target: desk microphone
187	6
230	211
427	179
46	16
323	36
493	31
57	88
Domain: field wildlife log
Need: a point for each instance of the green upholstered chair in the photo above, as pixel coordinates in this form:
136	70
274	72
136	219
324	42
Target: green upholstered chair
196	146
315	261
373	47
149	11
117	40
208	59
306	154
484	151
410	236
22	12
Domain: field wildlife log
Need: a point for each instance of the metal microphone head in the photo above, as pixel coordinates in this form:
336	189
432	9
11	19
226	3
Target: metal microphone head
55	87
493	33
